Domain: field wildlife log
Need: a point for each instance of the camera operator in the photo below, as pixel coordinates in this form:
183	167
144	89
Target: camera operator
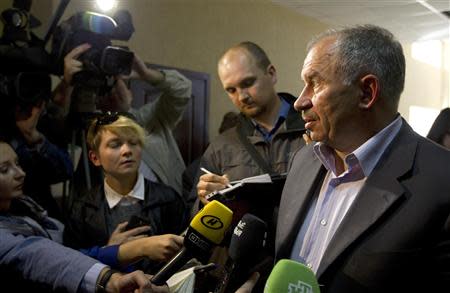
162	160
44	162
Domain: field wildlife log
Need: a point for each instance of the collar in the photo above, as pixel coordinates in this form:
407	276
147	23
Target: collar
293	123
282	115
113	197
367	155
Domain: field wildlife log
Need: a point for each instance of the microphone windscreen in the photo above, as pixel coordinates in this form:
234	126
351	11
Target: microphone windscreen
206	229
248	238
212	221
291	276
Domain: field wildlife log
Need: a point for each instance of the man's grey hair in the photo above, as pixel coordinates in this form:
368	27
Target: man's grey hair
368	49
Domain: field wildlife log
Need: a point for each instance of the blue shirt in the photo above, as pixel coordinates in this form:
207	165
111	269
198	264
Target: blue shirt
282	114
337	194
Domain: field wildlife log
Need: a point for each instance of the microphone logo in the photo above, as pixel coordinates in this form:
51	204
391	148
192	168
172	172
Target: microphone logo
212	222
239	227
199	242
300	287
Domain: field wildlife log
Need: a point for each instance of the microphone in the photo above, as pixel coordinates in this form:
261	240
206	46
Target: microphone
245	251
206	229
291	276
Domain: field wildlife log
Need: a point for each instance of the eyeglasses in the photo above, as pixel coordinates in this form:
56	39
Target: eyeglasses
106	118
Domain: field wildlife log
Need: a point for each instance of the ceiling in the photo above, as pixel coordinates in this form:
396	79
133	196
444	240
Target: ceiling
409	20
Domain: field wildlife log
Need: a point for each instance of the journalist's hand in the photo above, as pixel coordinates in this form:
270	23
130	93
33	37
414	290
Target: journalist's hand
71	63
120	235
136	281
161	247
141	71
208	183
157	248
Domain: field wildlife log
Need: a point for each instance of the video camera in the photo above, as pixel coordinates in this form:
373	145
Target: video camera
101	62
24	70
26	65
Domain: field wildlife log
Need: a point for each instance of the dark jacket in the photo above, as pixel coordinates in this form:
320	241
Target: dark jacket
87	226
440	127
227	155
395	236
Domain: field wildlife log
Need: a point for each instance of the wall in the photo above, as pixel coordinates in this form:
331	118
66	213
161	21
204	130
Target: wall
427	82
193	34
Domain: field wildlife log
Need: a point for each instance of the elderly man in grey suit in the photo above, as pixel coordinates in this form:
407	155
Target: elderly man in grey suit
366	204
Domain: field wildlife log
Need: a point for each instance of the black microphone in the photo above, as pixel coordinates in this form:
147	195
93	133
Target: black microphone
245	252
206	229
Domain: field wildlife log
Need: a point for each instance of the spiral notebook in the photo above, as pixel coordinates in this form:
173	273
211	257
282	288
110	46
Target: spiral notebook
256	187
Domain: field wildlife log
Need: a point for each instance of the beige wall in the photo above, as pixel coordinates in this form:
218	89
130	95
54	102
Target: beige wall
192	34
427	83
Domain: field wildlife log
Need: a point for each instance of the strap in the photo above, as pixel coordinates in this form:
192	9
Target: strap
103	280
256	156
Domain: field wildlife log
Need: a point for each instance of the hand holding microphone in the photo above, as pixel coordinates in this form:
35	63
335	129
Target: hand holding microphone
291	276
206	230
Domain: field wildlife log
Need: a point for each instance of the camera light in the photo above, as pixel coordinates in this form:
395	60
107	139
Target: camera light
106	5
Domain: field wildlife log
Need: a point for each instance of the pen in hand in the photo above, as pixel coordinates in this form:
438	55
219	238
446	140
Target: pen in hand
209	172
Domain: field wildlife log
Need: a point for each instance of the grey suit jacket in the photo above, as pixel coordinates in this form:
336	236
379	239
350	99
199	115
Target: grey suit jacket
159	118
37	264
394	237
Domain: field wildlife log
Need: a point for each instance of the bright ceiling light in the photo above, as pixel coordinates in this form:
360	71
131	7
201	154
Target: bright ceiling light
106	5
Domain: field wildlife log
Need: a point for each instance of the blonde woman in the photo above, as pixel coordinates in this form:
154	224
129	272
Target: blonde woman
115	142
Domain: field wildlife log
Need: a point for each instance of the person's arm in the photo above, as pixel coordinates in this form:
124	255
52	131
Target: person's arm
63	91
106	254
59	268
136	281
169	107
157	248
37	154
45	158
43	261
207	183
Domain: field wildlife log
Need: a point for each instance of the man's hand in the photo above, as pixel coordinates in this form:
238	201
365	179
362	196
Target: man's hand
63	91
136	281
157	248
210	182
71	63
141	71
120	235
120	98
161	247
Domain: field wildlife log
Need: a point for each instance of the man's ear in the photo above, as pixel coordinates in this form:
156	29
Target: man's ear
369	86
95	159
272	72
